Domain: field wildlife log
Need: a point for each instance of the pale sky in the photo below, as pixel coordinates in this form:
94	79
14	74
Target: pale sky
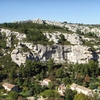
74	11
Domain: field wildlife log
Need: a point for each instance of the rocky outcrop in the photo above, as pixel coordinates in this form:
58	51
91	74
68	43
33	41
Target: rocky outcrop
80	54
76	52
9	34
72	38
60	54
17	57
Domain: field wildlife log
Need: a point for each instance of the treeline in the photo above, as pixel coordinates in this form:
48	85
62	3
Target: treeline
33	31
67	73
2	41
28	76
24	27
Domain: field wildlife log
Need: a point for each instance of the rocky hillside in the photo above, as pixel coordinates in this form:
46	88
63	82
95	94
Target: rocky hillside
42	40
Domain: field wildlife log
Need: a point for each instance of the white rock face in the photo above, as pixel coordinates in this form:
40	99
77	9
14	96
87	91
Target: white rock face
59	53
79	54
72	38
17	57
6	31
8	34
53	37
29	45
39	21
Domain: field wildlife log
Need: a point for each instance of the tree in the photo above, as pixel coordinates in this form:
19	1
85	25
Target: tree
19	81
30	92
50	93
69	94
62	37
70	68
84	69
79	80
38	77
26	81
81	96
66	80
79	32
24	30
51	85
13	95
12	75
42	74
36	88
93	85
93	67
59	73
50	65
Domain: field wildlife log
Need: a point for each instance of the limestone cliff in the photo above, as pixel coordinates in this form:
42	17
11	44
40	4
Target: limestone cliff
76	52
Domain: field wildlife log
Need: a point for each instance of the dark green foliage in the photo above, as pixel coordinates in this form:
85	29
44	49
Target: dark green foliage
79	32
37	88
13	95
62	37
59	73
51	85
50	93
2	41
66	80
50	65
69	94
55	98
79	80
90	34
93	86
36	36
12	75
26	26
89	68
93	66
63	41
7	67
13	40
81	96
32	68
